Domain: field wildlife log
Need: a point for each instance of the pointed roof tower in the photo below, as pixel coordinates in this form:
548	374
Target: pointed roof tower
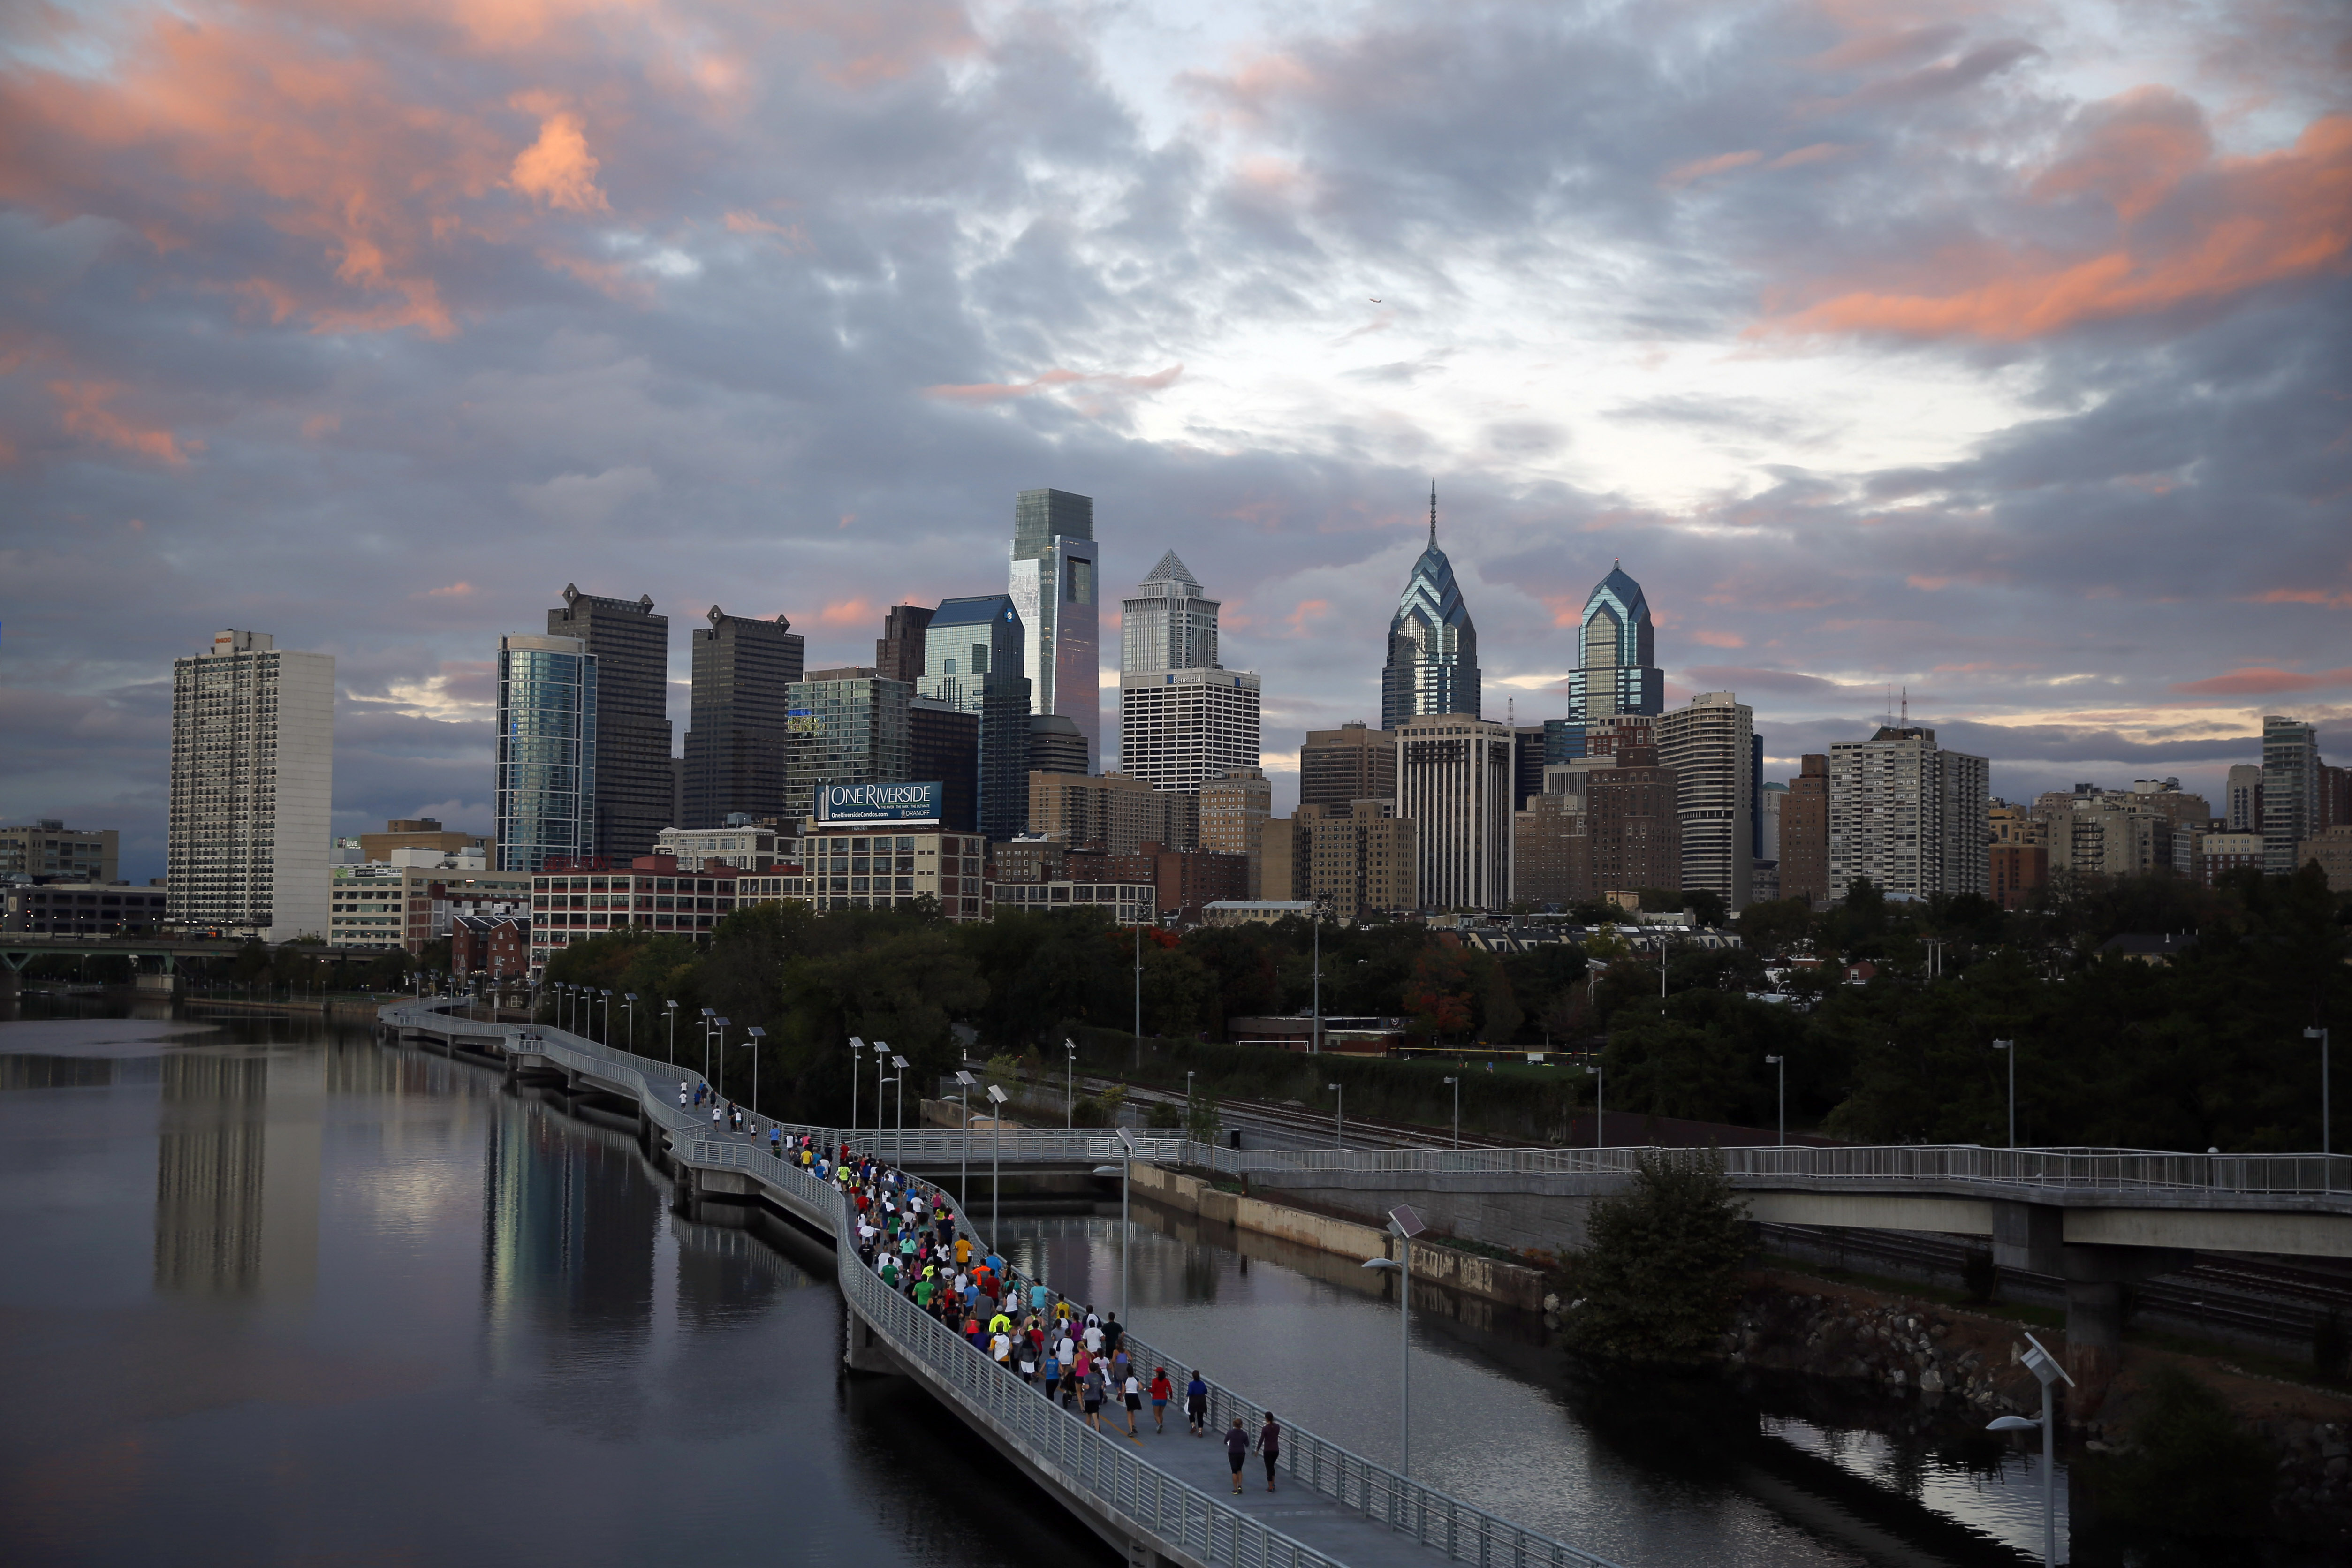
1432	664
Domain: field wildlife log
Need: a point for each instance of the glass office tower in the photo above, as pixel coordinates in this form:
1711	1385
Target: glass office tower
1433	666
547	751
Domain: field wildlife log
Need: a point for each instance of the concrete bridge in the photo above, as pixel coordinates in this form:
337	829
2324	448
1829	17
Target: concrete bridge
18	948
1162	1506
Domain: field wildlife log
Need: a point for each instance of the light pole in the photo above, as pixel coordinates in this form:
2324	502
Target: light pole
606	1037
2010	1047
996	1098
708	1014
1125	1171
720	1025
856	1068
629	1011
899	1095
1139	995
2321	1036
2044	1366
881	1064
1315	1034
752	1045
671	1007
1600	1103
1782	1063
1457	1109
1188	1101
964	1081
1070	1089
1338	1116
1403	1223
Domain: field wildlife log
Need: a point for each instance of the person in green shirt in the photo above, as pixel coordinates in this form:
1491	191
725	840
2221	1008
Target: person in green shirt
923	1294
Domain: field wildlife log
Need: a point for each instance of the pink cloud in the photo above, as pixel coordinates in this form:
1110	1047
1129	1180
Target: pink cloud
1701	168
1053	379
2259	682
558	169
82	410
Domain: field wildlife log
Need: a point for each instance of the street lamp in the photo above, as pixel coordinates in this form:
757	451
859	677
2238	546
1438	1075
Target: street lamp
964	1081
1782	1063
2044	1366
752	1045
708	1014
899	1095
2321	1036
1139	995
720	1025
996	1098
1125	1171
1600	1103
606	1037
2010	1047
881	1063
671	1007
1403	1223
1315	1035
1457	1111
1070	1088
856	1066
1338	1116
629	1011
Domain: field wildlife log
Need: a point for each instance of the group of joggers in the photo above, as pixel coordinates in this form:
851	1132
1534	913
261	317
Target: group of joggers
908	1235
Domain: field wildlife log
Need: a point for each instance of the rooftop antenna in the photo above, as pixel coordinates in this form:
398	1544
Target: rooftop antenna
1906	705
1433	514
1890	702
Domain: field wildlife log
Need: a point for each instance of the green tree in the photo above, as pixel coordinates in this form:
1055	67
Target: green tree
1659	1274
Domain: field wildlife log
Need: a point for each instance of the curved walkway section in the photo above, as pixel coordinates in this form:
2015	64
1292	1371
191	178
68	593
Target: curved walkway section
1341	1510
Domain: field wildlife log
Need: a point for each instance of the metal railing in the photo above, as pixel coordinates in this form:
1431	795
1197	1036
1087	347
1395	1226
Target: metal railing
1090	1461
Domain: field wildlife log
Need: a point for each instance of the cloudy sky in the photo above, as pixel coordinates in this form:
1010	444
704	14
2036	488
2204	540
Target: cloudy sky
1994	349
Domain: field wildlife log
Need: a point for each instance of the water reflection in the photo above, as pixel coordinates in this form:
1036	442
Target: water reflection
237	1174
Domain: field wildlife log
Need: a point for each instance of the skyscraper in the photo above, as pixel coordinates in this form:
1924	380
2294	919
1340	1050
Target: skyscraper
1907	815
253	773
2290	790
944	744
973	656
546	782
2242	808
1617	669
1234	812
1710	746
844	725
1167	623
1805	832
1353	762
743	674
1454	784
1633	819
1053	590
635	791
1183	718
1433	665
898	652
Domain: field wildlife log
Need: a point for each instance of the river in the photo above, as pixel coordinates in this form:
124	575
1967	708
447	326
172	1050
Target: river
277	1294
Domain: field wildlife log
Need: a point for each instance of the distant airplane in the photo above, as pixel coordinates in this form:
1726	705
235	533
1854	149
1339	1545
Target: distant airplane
1376	302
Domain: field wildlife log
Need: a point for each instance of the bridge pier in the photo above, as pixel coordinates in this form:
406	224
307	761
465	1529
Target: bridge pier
2031	1237
862	1349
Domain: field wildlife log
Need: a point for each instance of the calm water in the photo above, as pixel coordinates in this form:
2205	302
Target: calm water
276	1297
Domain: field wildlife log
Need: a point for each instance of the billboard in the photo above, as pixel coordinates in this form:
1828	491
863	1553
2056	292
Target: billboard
879	802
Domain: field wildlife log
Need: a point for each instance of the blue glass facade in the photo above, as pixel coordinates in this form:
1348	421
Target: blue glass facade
1617	664
546	787
1433	664
974	656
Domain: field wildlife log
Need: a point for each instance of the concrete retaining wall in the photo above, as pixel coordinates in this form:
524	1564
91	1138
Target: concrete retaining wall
1490	1279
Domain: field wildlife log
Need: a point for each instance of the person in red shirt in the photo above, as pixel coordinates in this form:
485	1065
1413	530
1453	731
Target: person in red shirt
1162	1391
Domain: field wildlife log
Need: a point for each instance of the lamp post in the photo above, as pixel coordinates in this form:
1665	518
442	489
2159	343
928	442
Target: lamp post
1600	1103
857	1067
708	1014
1338	1116
2010	1047
1315	1034
964	1081
606	1037
996	1098
1782	1063
1070	1088
2321	1036
1188	1101
1139	995
671	1007
752	1045
1125	1171
721	1024
629	1011
899	1095
1457	1111
2044	1366
1404	1225
881	1064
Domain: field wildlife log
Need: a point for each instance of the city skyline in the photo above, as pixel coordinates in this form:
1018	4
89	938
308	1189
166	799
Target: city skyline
1883	352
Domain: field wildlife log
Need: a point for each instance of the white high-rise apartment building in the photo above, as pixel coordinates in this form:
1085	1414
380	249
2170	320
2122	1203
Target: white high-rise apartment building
1183	720
1908	815
1710	746
253	782
1454	779
1052	585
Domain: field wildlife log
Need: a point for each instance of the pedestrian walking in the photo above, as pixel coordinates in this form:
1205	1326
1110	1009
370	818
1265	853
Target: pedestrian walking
1237	1445
1161	1391
1091	1395
1196	1404
681	1091
1269	1445
1131	1393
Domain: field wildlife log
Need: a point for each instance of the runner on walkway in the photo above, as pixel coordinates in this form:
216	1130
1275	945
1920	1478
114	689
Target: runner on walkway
1238	1446
1161	1390
1269	1443
1131	1393
1196	1404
